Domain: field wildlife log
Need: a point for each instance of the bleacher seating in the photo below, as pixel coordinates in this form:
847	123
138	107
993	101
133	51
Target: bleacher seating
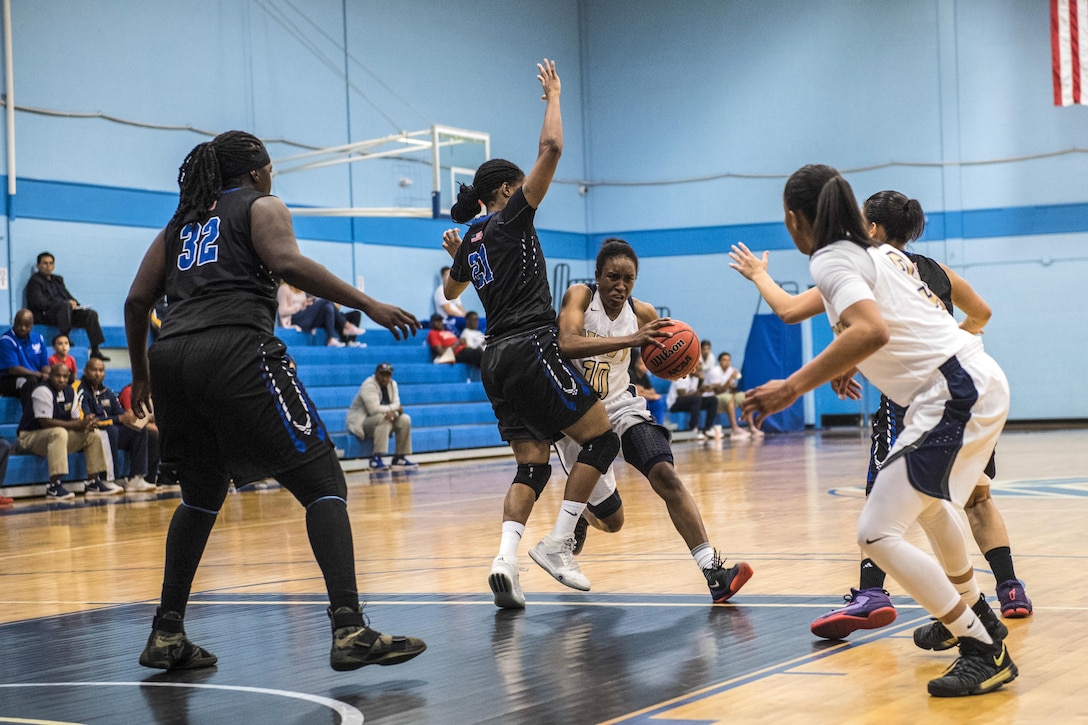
447	403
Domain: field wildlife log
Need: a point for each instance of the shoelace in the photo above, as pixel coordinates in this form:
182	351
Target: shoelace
970	668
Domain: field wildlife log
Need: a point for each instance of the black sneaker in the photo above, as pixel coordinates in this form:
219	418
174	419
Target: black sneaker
58	492
724	583
581	529
169	649
97	354
980	668
937	637
355	645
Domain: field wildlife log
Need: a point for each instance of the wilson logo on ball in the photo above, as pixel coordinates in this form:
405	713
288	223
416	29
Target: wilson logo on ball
679	355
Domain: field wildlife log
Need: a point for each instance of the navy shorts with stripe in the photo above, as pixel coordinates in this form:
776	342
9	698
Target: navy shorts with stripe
533	390
228	402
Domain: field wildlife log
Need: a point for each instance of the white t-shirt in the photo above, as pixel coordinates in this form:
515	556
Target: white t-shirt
472	338
440	300
713	375
922	335
686	384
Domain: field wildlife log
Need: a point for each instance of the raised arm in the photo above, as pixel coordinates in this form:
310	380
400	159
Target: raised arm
965	298
790	308
551	137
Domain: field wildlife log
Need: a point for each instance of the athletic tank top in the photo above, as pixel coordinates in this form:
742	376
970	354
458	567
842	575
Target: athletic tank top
608	373
922	337
214	277
502	258
935	278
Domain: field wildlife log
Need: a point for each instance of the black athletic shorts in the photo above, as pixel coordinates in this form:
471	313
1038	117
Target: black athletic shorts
888	421
534	391
227	402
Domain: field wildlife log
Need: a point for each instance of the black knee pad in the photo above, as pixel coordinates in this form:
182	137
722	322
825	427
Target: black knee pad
534	475
601	451
606	508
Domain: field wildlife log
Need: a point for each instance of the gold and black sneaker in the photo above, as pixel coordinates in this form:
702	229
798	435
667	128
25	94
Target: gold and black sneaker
937	637
980	668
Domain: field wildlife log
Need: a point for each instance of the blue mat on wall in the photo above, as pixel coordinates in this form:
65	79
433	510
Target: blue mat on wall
773	353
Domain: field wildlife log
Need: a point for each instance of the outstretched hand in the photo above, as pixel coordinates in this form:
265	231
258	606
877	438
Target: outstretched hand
747	263
768	399
392	318
548	78
846	387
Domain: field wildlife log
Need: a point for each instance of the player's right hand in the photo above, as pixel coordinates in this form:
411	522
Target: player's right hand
451	241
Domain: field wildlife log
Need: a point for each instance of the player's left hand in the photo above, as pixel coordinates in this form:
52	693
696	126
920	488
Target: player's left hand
846	387
747	263
768	399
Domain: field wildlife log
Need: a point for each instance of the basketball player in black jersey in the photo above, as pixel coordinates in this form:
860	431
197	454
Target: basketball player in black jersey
227	401
894	218
534	391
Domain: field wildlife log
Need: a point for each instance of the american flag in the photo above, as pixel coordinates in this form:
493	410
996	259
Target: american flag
1069	49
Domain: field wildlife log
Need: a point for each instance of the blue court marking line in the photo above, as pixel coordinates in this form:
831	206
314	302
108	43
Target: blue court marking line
654	715
348	714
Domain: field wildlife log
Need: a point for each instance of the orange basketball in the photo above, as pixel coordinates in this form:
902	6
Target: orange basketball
680	356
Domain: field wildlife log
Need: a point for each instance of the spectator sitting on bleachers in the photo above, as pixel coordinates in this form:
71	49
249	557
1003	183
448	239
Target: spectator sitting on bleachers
686	396
52	304
446	348
376	412
160	478
452	311
61	346
98	401
471	336
730	398
24	359
51	427
5	453
644	387
298	309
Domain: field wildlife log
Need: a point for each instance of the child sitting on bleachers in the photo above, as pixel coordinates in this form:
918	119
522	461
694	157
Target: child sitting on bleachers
61	346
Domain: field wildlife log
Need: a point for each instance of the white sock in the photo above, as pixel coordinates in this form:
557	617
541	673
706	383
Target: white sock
567	518
968	591
703	555
969	625
511	537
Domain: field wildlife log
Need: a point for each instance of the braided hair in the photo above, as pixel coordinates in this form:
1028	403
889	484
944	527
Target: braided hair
489	177
212	165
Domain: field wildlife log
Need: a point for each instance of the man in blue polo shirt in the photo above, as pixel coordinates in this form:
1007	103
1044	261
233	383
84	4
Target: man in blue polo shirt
24	357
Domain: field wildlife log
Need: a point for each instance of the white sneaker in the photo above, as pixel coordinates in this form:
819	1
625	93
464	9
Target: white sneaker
138	483
333	342
556	556
717	432
504	583
756	433
738	433
700	436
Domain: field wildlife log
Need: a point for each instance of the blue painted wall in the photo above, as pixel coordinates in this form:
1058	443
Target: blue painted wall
682	121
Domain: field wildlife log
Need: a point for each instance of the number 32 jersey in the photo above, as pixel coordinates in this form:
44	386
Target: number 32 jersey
214	277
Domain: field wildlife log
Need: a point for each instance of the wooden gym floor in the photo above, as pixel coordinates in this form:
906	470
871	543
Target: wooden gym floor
78	584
